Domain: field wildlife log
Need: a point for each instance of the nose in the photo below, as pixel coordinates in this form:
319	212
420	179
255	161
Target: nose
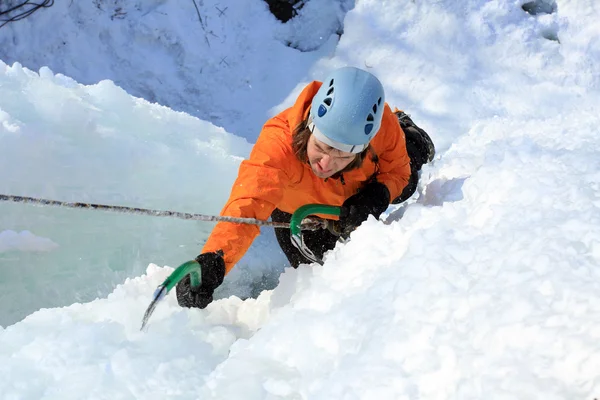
325	162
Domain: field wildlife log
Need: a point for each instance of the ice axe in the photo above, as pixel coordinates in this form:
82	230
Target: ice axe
193	268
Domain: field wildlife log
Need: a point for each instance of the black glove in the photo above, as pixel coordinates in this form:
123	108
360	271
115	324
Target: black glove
212	274
373	199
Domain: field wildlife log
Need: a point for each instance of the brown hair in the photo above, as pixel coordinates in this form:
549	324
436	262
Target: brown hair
300	143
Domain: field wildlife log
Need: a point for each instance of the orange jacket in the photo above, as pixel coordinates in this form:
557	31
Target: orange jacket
274	178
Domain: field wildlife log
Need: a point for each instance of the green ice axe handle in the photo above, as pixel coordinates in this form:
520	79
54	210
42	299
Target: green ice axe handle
191	267
296	226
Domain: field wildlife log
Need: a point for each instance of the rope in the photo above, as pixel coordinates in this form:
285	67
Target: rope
307	224
6	17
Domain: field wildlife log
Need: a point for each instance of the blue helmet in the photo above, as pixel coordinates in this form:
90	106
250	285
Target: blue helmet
346	112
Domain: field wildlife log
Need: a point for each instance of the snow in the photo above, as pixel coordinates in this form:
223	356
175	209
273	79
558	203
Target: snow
485	284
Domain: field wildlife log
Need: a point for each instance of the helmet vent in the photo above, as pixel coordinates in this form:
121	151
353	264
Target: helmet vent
368	129
370	118
379	101
322	110
375	108
327	101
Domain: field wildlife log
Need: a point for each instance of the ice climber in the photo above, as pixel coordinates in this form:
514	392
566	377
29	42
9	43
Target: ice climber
340	144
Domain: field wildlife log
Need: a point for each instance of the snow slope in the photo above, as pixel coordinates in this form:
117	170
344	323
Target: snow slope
485	285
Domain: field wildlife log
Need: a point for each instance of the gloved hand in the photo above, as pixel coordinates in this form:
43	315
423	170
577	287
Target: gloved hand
373	199
212	274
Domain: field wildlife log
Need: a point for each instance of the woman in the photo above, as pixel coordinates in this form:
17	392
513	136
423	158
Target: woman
339	144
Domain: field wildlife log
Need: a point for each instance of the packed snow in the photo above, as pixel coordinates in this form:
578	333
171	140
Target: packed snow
485	284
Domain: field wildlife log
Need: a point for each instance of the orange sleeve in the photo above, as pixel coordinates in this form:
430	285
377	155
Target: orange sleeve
256	192
394	163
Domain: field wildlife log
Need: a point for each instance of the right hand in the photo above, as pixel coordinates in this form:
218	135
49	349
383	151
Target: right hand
373	200
212	268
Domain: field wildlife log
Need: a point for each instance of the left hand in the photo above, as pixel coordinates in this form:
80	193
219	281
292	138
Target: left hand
212	272
373	200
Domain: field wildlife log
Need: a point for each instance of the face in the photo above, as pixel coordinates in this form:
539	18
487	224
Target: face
325	160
